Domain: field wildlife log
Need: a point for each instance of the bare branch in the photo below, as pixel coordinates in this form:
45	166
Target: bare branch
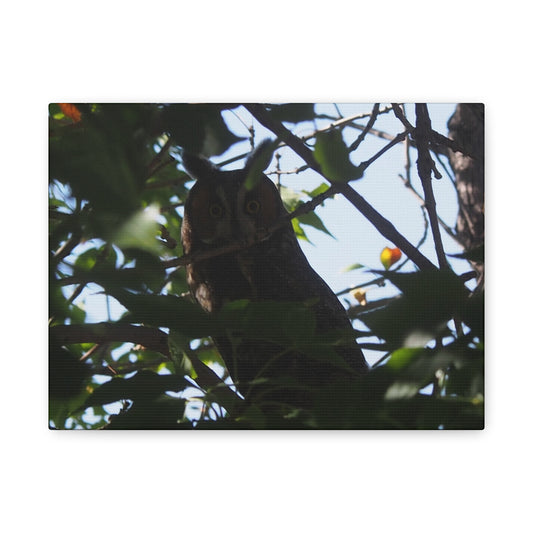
426	165
407	145
399	138
68	246
410	188
401	117
367	128
112	370
381	224
342	122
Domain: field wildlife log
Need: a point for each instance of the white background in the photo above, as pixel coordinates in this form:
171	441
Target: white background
277	481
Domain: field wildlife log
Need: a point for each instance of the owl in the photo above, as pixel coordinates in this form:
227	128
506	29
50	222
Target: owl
222	209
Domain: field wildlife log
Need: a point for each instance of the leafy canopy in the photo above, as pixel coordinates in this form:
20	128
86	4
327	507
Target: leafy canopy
115	192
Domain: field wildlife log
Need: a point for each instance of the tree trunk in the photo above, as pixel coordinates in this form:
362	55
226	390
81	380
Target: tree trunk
466	126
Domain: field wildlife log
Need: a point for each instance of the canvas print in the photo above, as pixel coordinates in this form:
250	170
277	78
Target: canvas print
266	266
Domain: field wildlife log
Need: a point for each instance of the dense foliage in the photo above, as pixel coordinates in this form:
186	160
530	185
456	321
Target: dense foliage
115	196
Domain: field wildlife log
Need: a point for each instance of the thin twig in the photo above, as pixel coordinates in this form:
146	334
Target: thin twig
171	207
453	145
399	138
410	188
407	144
90	352
336	123
155	164
349	122
286	172
401	117
112	370
67	246
367	128
385	227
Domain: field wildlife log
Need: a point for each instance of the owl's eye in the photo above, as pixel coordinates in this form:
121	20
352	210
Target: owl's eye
216	210
253	207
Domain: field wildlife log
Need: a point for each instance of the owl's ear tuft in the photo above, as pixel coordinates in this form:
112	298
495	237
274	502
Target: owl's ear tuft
197	166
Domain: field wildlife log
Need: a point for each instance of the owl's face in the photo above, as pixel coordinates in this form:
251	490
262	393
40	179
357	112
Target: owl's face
220	209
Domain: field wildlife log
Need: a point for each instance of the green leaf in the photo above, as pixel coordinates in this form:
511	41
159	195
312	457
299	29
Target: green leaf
353	404
281	322
67	374
177	281
429	301
140	231
166	311
199	128
467	380
258	163
163	412
210	356
253	417
103	257
148	273
424	412
292	200
143	386
313	220
167	182
104	161
404	356
292	112
435	283
178	344
290	325
333	157
355	266
298	230
473	314
321	349
60	309
322	188
414	368
361	404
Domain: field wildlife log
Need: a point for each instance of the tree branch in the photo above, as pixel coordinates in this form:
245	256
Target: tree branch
157	162
149	337
367	128
385	227
399	138
425	166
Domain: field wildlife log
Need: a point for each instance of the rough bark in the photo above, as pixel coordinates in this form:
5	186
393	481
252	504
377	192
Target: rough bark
466	126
